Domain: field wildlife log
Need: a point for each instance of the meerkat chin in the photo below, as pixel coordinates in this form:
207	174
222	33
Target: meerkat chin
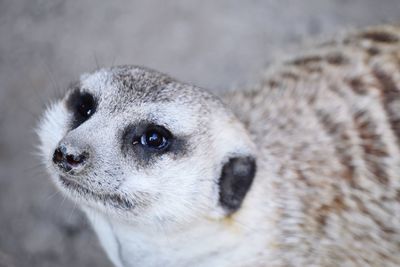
303	169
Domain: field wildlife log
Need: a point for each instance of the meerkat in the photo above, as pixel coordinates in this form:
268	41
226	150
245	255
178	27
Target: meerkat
302	169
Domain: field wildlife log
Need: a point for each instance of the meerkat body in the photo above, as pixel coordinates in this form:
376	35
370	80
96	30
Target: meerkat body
330	120
303	169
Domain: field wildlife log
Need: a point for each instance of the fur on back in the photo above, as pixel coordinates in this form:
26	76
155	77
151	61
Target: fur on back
330	121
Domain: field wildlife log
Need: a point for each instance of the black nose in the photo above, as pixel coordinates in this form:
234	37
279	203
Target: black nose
69	159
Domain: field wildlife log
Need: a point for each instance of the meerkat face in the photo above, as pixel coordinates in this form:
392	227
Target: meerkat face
135	143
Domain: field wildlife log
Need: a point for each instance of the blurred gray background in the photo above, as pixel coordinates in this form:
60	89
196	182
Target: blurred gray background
45	44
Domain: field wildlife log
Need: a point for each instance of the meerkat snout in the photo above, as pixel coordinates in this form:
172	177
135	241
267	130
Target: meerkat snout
70	159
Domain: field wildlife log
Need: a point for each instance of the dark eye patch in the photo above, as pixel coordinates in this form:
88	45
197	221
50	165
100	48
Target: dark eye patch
83	105
134	143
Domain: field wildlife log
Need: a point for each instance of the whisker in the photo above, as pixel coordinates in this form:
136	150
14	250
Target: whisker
73	208
53	81
96	60
39	168
51	196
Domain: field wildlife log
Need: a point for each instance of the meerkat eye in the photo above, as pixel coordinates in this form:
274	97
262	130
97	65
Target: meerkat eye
83	105
156	138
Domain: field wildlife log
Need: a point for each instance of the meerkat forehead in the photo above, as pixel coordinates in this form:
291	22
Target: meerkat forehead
131	92
132	84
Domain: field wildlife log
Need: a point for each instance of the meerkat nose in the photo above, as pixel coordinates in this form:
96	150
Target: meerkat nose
68	159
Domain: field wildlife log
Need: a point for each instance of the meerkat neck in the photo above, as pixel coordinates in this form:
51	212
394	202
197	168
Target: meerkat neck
129	245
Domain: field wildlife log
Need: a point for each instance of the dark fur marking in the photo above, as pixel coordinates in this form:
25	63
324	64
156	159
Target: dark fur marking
380	36
302	177
373	51
382	225
236	178
289	75
358	85
306	60
341	141
78	102
274	83
373	146
309	62
313	68
337	205
143	156
390	95
337	59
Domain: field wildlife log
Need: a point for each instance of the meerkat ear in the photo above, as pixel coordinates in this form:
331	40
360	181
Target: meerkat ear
236	167
235	181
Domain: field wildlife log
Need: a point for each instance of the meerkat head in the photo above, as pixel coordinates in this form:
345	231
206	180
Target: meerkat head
132	142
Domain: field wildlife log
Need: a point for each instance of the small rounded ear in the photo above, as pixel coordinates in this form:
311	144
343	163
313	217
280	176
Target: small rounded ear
236	178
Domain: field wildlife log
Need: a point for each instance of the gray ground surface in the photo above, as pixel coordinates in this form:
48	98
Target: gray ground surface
45	44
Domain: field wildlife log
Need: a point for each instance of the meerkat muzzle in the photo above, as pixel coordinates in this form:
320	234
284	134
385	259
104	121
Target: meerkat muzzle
67	159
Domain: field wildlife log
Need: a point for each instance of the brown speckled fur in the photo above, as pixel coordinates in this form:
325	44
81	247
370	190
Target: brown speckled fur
330	122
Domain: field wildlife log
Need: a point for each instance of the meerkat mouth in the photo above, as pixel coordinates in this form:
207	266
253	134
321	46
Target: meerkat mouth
115	200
